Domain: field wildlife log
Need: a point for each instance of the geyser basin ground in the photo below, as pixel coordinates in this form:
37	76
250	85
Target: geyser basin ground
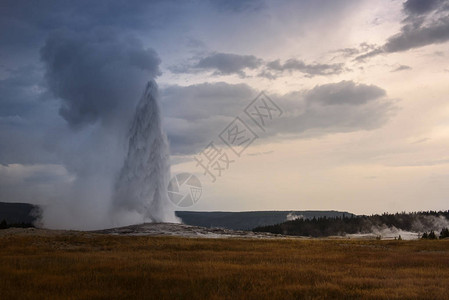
80	265
182	230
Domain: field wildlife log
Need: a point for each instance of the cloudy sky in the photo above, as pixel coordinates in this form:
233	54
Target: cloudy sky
361	87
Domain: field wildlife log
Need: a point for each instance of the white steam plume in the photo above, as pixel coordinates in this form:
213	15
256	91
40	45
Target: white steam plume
141	188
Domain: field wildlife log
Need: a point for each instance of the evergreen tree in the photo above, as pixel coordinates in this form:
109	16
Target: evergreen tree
425	235
444	233
432	235
3	224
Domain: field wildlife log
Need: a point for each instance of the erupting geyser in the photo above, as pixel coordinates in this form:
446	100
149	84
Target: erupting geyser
142	183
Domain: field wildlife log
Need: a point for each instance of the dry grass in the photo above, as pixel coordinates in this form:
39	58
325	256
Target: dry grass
86	266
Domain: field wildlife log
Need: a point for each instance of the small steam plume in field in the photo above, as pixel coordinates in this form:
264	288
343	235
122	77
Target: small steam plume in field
97	78
292	216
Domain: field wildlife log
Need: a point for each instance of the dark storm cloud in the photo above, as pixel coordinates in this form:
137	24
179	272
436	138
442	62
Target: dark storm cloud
221	64
419	6
409	38
96	75
425	23
309	69
196	114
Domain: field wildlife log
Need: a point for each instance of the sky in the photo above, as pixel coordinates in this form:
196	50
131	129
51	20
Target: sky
358	91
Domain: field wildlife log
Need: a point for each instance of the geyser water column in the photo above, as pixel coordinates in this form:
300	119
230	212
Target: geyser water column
141	188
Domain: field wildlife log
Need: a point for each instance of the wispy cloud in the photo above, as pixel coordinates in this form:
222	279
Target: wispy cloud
308	69
227	64
221	64
401	68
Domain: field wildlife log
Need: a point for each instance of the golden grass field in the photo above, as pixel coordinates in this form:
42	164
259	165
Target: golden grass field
89	266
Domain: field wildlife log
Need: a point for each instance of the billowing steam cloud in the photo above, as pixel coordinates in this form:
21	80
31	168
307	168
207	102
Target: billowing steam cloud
99	77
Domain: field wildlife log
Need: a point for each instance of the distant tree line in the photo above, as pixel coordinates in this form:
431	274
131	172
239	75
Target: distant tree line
4	225
324	226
